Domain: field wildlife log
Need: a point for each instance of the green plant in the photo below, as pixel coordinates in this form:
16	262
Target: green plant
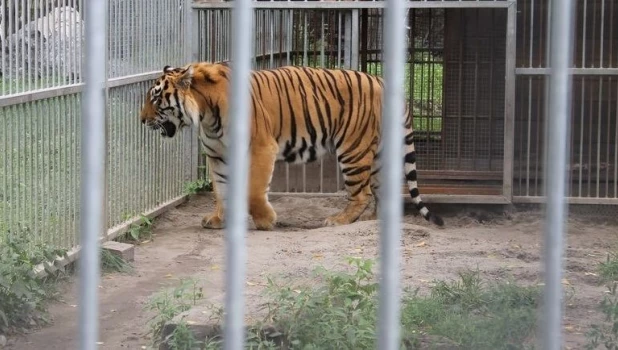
139	231
169	304
111	262
340	314
23	296
608	270
606	333
197	186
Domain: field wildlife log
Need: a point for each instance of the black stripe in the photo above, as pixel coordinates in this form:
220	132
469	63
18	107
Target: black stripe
411	176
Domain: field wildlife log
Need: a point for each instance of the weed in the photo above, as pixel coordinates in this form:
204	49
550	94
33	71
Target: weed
474	315
199	185
23	296
169	304
341	313
608	270
606	333
140	231
111	262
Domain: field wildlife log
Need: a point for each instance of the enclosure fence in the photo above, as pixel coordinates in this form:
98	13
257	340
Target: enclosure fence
476	75
43	45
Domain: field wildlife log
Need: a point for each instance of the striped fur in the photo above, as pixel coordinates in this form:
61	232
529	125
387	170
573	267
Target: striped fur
298	114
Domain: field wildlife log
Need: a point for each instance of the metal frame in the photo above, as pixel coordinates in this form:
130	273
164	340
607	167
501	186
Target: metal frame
510	74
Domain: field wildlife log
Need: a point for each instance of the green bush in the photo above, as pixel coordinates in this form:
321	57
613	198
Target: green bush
23	296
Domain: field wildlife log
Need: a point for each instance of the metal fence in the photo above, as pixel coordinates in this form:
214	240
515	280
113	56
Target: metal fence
41	83
476	86
458	55
481	130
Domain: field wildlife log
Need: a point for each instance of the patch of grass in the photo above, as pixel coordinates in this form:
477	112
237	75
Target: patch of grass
111	262
606	333
168	304
23	296
199	185
608	270
340	312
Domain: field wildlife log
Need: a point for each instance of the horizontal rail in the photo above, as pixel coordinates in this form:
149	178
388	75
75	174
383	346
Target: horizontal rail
351	5
427	198
573	71
570	200
112	233
42	94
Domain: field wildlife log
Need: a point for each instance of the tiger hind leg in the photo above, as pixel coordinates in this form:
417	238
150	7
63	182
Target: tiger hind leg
356	178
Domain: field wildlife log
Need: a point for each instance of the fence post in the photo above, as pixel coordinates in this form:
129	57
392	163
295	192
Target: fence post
557	153
190	55
351	39
391	205
509	102
93	171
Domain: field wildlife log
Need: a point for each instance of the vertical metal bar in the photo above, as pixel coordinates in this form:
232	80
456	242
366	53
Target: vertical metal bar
93	171
391	206
354	40
322	44
236	213
509	102
11	46
557	154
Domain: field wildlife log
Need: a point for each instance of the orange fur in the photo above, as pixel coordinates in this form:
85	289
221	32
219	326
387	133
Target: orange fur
297	115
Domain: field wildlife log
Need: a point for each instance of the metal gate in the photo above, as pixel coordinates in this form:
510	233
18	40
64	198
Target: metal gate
593	163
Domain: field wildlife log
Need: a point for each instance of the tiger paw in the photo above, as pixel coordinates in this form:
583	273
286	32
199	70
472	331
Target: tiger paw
336	220
212	221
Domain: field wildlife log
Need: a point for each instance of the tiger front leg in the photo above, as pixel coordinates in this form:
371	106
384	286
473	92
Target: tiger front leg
262	165
215	220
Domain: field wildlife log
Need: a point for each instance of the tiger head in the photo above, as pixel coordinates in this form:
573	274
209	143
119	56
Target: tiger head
184	96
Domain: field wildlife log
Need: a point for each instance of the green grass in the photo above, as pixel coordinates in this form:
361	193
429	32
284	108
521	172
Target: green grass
608	270
338	310
168	304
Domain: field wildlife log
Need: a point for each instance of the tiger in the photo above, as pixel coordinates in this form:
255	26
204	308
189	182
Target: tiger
298	114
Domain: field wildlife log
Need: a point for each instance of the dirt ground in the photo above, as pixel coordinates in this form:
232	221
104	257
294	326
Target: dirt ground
499	243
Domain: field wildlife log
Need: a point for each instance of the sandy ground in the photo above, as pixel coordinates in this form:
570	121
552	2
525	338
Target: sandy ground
500	244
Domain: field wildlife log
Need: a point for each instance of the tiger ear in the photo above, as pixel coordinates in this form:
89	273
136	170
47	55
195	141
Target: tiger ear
186	76
167	69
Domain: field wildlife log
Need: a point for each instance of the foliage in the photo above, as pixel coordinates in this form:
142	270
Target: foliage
111	262
608	270
340	312
23	295
199	185
139	231
169	304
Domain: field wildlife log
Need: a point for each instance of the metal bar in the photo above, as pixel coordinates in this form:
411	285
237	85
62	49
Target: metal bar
341	5
557	155
391	206
236	208
93	171
509	101
43	94
571	71
569	200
